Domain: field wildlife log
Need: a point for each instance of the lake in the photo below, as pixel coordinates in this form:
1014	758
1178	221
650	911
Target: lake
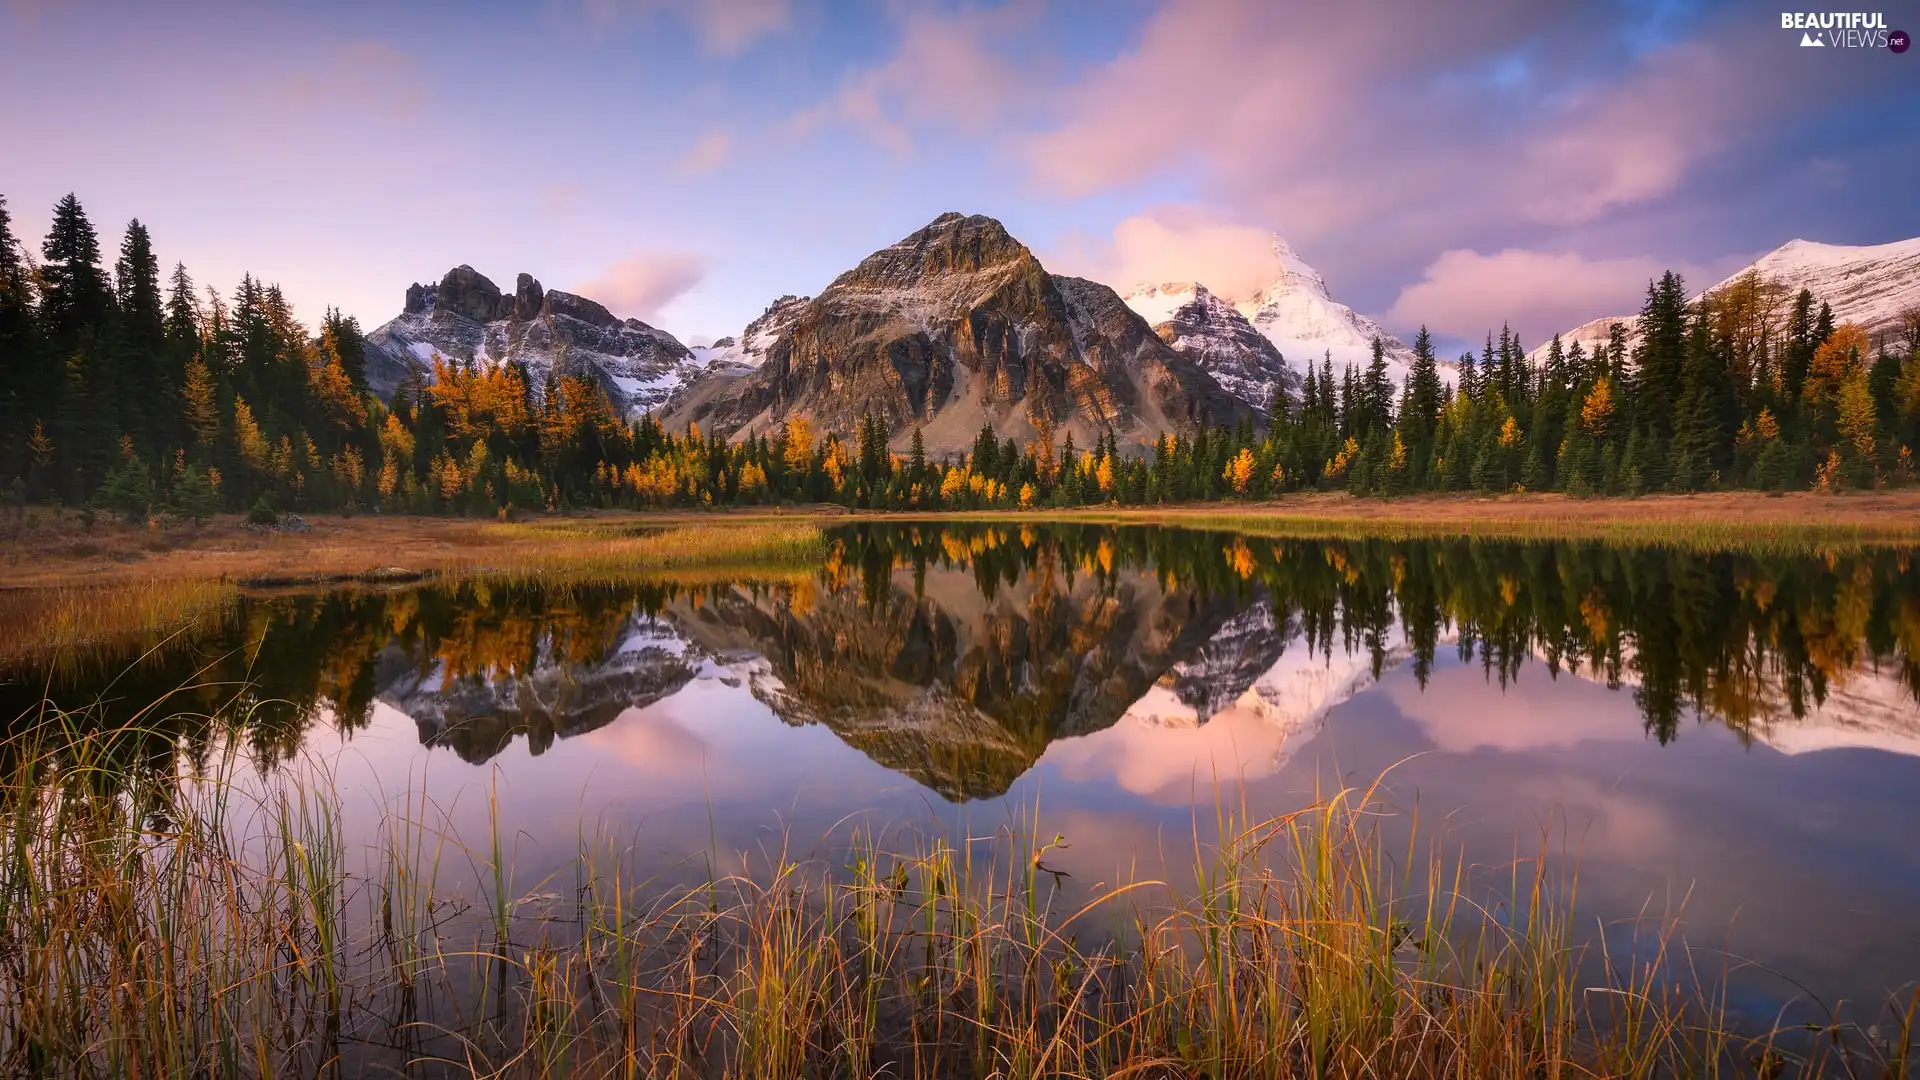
1726	741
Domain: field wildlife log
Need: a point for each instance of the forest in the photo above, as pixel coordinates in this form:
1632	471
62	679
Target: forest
142	395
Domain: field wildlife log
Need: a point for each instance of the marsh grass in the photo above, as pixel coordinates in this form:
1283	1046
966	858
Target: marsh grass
1809	523
212	921
40	625
72	623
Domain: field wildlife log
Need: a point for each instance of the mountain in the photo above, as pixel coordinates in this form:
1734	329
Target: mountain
1217	338
955	326
1295	313
1870	286
467	318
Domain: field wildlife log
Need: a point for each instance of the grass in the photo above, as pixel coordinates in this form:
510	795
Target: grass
1723	521
210	923
143	602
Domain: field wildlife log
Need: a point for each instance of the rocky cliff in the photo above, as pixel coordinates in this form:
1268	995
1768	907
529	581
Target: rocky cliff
466	318
955	326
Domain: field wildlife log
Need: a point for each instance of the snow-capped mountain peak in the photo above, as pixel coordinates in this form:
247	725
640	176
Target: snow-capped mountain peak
1867	285
1296	313
1215	336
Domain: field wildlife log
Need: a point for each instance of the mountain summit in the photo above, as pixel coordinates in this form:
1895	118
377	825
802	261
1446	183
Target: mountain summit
1295	313
465	318
956	326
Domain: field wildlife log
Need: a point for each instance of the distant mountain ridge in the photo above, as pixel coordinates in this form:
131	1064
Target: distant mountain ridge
465	318
959	325
1870	286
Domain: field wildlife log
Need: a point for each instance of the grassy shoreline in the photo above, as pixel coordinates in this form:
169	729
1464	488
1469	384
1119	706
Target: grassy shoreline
117	590
57	552
246	934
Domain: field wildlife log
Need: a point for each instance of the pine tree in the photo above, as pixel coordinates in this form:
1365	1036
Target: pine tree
917	458
1376	393
1660	359
76	309
150	403
1421	417
26	384
1799	346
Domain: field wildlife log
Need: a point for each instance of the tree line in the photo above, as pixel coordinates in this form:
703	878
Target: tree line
128	394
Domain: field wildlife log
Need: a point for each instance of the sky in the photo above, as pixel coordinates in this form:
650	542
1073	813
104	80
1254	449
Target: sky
1456	165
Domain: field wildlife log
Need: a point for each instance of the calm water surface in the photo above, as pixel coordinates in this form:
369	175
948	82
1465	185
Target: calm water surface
1730	739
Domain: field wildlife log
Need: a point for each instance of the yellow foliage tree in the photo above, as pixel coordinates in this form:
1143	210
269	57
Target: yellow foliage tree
1596	412
252	443
1239	471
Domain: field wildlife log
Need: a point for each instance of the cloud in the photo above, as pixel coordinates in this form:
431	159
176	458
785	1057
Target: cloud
639	286
948	70
1400	129
1177	244
704	156
1464	293
369	75
725	27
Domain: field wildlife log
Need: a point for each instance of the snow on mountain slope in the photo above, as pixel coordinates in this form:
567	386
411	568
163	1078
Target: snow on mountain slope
1866	708
465	317
1296	313
1214	335
1256	664
1869	286
1303	320
749	349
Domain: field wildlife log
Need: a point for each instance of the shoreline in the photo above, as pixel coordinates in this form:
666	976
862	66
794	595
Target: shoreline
57	553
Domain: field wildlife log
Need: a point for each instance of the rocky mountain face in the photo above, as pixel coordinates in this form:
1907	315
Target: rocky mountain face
955	326
1219	340
1871	286
466	318
1295	316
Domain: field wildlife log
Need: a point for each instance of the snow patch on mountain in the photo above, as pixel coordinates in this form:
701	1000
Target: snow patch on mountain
749	349
1215	336
466	319
1297	314
1869	286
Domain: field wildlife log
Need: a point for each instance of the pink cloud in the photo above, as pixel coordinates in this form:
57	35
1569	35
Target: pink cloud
1176	244
639	286
1465	293
948	69
1391	131
707	154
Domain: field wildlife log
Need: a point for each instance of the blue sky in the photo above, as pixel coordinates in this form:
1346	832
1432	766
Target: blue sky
686	162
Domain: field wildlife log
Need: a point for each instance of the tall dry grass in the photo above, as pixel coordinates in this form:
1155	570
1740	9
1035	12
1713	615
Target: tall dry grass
208	923
73	621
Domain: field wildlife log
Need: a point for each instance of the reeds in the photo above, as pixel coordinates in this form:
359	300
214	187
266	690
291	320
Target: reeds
64	624
38	625
213	923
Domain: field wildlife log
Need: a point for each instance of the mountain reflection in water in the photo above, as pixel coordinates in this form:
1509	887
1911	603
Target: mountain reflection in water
956	654
1732	735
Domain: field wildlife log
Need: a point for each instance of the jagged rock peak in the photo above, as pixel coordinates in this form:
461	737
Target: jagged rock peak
579	307
950	243
527	297
471	293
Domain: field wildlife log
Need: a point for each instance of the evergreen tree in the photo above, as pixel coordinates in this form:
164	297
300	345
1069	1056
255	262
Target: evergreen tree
1376	393
150	400
1421	417
26	383
1660	359
76	312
